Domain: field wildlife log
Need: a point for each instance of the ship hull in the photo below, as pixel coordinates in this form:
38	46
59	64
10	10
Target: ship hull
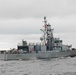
40	55
46	55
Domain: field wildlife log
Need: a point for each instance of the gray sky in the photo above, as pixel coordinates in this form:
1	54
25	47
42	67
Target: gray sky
24	17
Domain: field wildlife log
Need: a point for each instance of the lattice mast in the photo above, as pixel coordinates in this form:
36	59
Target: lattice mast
48	35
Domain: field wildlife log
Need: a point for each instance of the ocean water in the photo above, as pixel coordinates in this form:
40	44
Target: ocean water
56	66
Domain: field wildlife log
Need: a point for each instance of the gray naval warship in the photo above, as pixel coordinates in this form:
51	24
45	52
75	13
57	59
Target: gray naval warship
49	47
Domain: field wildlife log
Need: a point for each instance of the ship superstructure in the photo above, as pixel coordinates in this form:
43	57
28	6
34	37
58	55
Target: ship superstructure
50	42
48	35
49	47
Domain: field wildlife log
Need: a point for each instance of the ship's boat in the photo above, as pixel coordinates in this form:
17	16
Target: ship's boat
49	47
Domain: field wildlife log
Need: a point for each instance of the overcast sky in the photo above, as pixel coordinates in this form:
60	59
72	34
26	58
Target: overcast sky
23	17
26	16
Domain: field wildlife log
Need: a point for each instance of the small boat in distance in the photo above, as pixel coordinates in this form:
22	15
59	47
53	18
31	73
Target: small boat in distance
49	47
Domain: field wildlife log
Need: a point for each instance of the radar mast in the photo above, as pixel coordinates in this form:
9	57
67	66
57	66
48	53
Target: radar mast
47	35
